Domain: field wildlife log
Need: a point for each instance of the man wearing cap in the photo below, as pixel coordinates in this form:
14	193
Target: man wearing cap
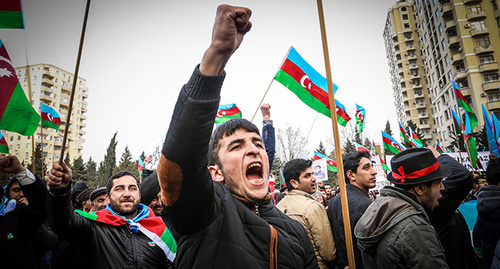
98	198
394	231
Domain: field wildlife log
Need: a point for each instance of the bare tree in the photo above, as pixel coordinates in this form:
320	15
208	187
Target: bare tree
289	143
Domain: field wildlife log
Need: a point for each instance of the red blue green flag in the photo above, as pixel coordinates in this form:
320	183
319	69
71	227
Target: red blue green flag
153	227
282	178
11	14
16	113
331	164
490	132
456	122
414	138
439	148
360	147
360	118
402	133
462	102
140	165
3	144
391	144
384	165
227	112
308	85
50	118
373	149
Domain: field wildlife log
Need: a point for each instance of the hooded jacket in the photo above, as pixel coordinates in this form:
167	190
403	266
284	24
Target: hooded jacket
394	232
487	228
214	228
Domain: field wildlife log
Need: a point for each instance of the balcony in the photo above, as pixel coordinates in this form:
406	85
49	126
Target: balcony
447	9
424	126
488	67
413	66
466	2
47	82
409	38
407	30
481	49
419	86
491	86
476	32
456	58
46	98
476	15
450	24
423	115
415	76
453	41
460	74
412	56
493	105
466	91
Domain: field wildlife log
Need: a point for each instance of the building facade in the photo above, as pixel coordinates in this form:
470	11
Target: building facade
52	86
459	41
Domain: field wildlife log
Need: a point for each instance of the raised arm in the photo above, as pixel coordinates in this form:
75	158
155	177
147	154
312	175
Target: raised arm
187	188
268	133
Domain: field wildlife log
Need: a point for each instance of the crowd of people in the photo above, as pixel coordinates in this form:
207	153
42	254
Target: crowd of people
208	204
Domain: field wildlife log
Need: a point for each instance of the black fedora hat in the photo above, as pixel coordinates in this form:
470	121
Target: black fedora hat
415	166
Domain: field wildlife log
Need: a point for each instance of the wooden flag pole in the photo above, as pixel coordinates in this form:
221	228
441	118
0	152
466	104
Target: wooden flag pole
75	78
338	153
262	100
307	138
31	101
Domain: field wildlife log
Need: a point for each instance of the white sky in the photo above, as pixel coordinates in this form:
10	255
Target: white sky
138	54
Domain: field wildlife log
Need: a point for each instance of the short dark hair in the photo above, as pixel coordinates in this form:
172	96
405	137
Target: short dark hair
476	179
109	183
351	162
493	172
227	129
293	169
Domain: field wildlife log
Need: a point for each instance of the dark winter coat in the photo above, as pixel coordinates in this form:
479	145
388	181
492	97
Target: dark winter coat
487	229
214	228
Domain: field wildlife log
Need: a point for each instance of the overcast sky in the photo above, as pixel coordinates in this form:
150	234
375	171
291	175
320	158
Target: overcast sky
138	54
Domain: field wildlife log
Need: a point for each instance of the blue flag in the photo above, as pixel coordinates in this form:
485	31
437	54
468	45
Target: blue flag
490	132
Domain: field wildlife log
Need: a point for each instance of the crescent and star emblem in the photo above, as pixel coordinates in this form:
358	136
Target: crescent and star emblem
305	79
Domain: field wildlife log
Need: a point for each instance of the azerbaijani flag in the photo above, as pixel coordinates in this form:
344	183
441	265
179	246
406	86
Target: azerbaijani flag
308	85
373	149
439	148
456	122
391	144
282	178
50	118
496	125
11	14
462	102
360	118
227	112
471	141
3	144
490	132
16	113
414	138
153	227
140	165
331	164
384	165
402	133
361	148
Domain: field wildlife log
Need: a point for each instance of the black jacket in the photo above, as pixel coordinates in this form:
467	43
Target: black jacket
358	202
214	228
18	228
448	222
104	246
487	228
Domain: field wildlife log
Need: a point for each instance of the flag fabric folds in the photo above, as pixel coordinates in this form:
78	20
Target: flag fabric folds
490	132
361	148
360	118
469	140
373	149
11	14
227	112
496	125
4	148
439	148
391	144
282	178
308	85
456	122
462	102
16	113
331	164
402	133
414	138
50	118
384	164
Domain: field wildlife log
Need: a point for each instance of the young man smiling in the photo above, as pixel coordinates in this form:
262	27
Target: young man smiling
223	216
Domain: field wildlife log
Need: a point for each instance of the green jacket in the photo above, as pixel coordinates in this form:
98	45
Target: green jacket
395	232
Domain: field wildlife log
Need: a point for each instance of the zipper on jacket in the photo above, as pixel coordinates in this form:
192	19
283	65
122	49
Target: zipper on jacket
273	249
257	209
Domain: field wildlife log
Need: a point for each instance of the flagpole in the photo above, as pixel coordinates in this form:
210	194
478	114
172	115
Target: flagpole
31	101
307	138
338	153
262	100
75	78
41	142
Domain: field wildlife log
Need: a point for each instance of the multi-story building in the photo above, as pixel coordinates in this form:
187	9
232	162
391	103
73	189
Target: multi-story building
406	62
459	41
52	86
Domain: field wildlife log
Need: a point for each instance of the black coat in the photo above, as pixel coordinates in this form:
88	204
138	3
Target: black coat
358	202
487	228
215	229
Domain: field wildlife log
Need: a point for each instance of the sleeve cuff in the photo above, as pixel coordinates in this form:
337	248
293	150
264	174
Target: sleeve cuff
25	177
267	122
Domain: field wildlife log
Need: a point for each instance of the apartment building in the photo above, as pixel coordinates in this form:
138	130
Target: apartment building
52	86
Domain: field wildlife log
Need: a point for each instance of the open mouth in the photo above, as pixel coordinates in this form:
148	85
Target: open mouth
254	174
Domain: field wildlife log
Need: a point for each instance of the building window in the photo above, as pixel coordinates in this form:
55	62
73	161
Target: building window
11	138
483	42
494	97
403	9
478	25
486	59
407	26
405	17
474	9
494	4
490	77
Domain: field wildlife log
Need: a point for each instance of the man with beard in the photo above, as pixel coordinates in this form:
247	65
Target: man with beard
395	231
125	234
